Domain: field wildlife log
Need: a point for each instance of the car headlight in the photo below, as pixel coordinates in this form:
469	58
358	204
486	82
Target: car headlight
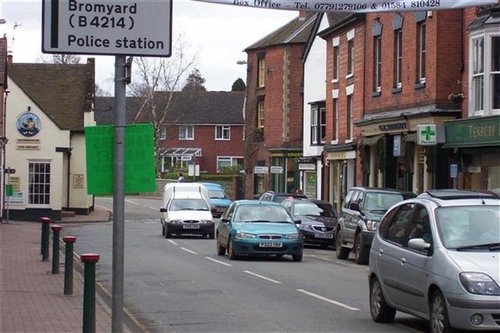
304	226
292	236
371	225
175	221
479	283
245	235
205	221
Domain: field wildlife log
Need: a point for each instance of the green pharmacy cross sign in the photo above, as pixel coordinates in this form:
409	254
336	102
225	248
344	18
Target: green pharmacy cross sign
427	134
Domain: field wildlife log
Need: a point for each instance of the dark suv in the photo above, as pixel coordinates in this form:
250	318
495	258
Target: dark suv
362	210
279	196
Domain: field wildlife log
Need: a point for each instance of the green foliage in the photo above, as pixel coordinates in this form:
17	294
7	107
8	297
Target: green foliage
231	170
239	85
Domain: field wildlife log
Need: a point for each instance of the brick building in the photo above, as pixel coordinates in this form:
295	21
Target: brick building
273	113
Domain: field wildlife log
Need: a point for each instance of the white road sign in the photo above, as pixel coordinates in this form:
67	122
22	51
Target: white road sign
360	6
135	28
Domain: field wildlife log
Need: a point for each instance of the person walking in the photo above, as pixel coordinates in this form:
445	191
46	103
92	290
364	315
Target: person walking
181	178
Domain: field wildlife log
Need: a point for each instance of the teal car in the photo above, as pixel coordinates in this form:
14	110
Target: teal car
219	202
258	228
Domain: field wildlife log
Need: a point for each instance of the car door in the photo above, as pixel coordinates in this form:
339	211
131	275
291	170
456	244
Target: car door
415	265
391	261
352	217
224	227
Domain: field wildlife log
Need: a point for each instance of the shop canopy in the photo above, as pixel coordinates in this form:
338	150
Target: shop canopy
359	6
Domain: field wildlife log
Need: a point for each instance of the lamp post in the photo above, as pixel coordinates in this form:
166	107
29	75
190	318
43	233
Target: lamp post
3	144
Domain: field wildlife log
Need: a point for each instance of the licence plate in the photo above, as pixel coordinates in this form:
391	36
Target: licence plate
271	244
191	226
327	236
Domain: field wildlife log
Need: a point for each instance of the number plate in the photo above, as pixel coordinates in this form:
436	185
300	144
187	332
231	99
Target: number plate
327	236
191	226
271	244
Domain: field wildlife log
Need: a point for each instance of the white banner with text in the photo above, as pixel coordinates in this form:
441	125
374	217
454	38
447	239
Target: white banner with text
359	6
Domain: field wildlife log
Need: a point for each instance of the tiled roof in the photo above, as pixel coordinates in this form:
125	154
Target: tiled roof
296	31
189	107
63	92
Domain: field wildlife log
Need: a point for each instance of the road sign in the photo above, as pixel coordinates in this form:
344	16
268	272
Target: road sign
276	169
426	134
141	28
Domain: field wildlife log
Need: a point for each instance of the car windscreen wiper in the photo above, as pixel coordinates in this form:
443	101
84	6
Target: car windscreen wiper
490	246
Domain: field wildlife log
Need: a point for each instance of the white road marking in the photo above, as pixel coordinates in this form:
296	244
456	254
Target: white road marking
132	202
153	208
188	250
328	300
173	242
219	262
262	277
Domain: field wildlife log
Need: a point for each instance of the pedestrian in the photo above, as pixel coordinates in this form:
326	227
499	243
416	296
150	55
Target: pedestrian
181	178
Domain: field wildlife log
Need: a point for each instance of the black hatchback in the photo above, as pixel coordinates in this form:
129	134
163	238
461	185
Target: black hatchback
318	220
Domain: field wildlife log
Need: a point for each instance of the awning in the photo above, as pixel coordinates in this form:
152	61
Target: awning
411	137
371	140
179	152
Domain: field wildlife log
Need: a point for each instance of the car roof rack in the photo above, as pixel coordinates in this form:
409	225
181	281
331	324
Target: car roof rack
450	194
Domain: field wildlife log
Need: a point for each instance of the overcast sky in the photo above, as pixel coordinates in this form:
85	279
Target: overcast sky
217	33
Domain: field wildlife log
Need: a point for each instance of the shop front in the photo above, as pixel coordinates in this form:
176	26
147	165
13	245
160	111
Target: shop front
476	143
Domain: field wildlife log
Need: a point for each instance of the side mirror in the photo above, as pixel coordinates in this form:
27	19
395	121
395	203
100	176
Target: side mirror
354	206
163	210
225	220
297	221
419	244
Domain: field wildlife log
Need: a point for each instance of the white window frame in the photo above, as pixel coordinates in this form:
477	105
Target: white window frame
398	58
377	59
421	51
335	127
350	53
261	74
223	132
350	113
482	73
41	183
186	132
233	160
336	59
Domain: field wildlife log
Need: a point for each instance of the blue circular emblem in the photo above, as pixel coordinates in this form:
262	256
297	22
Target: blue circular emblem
28	124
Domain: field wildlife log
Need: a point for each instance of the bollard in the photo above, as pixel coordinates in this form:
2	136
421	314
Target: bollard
55	248
68	264
89	260
44	247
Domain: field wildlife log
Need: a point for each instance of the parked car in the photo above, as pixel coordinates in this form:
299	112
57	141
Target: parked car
219	202
185	210
437	257
279	196
318	220
361	213
258	228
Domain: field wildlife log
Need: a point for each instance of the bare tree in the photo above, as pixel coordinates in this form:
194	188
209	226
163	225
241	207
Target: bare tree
68	59
160	74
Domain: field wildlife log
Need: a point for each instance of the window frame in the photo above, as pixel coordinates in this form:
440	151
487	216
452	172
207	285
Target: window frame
398	60
421	52
260	114
261	72
186	132
222	132
318	124
377	64
336	59
35	182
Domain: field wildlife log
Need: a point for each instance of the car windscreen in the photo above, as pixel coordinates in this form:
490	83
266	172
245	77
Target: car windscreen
188	204
216	194
380	201
465	226
262	213
310	208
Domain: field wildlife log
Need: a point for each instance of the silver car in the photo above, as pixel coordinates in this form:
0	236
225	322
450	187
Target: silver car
437	257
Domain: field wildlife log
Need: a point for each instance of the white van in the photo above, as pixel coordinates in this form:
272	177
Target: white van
186	210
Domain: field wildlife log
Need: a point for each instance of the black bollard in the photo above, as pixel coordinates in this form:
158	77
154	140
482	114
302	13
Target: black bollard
68	264
55	248
45	238
89	260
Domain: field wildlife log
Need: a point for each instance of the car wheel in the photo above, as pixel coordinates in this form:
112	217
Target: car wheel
230	251
162	230
361	252
379	310
167	233
211	235
342	252
297	257
439	321
221	250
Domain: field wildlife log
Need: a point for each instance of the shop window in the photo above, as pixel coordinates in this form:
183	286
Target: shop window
39	183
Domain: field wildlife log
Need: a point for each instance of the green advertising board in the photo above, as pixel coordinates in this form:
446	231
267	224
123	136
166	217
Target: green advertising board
139	168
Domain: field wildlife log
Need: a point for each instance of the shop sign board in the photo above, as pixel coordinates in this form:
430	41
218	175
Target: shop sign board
426	134
276	169
261	170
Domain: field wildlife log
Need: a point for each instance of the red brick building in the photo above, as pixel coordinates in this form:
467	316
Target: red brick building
204	128
273	113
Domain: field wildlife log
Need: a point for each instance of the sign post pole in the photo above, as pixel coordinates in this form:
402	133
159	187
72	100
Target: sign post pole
119	196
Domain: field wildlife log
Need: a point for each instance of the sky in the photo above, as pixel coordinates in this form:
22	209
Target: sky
216	33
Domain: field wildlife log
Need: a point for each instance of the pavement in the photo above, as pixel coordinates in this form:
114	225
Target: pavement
32	297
